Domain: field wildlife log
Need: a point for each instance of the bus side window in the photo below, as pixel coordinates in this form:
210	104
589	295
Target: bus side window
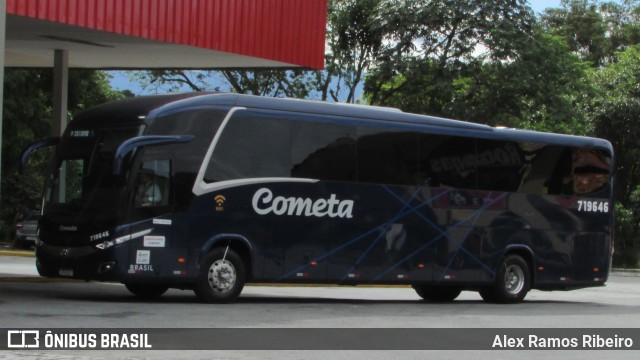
591	170
447	161
251	146
568	171
500	165
539	165
560	182
323	151
387	157
152	184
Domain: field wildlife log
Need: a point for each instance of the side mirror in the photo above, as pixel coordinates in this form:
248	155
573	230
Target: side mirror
132	144
26	153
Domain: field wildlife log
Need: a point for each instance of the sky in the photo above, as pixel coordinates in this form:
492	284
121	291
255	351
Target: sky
540	5
121	81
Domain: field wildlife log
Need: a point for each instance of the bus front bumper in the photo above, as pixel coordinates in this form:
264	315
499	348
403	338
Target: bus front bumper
79	262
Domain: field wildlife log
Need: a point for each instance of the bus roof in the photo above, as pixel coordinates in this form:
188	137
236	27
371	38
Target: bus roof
126	111
139	108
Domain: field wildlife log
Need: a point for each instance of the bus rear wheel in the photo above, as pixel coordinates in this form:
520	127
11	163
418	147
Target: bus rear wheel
147	291
437	293
222	277
512	282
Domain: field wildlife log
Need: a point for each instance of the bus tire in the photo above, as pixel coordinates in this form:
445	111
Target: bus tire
513	282
437	293
147	291
221	281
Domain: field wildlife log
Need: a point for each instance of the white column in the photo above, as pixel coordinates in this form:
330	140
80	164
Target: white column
3	33
60	106
60	91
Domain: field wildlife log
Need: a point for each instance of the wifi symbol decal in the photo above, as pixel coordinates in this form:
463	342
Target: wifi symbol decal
220	199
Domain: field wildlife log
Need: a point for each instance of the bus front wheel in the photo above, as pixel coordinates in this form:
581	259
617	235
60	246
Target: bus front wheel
147	291
512	282
222	277
437	293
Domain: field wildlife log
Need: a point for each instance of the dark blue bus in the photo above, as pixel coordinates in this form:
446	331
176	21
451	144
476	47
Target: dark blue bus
210	191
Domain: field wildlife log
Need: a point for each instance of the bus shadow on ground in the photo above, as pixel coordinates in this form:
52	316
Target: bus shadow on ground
186	297
116	293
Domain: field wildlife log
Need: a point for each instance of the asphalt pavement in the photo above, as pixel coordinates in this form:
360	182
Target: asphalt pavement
71	304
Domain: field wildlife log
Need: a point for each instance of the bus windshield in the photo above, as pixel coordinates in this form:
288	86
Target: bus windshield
83	183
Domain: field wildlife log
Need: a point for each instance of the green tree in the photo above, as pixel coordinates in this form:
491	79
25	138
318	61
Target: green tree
432	43
27	117
354	39
27	114
615	112
263	82
543	87
595	30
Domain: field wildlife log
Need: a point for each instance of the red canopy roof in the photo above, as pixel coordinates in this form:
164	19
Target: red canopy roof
168	33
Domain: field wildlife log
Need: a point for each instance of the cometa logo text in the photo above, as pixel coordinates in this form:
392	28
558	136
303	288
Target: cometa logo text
265	203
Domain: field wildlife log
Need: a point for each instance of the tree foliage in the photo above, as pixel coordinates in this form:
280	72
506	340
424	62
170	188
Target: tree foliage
541	88
595	30
435	43
615	113
265	82
355	39
27	117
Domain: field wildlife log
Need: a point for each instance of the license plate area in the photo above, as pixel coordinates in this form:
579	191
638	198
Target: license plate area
65	272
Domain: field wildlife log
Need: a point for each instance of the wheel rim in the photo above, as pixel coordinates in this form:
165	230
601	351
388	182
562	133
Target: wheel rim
222	276
514	279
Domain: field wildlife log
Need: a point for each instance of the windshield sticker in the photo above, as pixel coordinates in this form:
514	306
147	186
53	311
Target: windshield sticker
67	228
143	257
81	133
162	221
154	241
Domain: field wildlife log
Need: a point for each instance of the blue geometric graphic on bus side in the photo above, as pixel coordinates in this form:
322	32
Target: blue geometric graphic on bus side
401	214
406	210
386	226
444	234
